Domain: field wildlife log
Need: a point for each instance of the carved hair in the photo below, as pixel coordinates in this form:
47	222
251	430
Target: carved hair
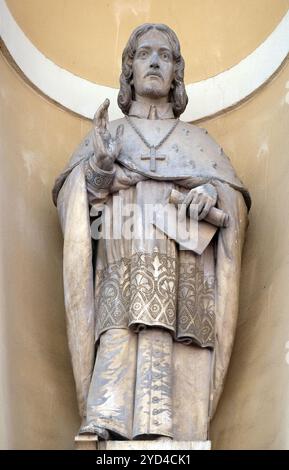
178	96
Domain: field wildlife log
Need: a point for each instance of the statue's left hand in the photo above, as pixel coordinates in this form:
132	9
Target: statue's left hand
203	198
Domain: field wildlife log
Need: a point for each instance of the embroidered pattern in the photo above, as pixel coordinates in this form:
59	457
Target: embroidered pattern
155	290
97	178
196	303
112	296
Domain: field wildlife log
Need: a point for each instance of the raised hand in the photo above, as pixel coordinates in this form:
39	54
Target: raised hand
106	147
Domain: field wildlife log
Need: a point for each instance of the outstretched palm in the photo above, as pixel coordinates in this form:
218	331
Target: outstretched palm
106	147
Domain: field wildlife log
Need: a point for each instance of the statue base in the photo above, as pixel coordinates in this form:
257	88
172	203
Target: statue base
91	442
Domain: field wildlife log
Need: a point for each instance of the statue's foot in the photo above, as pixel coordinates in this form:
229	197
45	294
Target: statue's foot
91	428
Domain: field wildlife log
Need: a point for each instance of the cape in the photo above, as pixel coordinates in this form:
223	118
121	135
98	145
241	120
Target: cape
207	163
190	153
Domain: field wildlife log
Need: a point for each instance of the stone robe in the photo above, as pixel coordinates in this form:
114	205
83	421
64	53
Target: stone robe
161	320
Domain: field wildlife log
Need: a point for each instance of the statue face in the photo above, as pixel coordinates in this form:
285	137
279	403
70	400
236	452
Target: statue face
153	65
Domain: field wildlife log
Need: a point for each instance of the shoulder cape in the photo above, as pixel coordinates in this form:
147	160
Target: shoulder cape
196	156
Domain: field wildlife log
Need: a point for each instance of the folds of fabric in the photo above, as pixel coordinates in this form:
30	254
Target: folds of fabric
73	212
228	270
82	316
146	384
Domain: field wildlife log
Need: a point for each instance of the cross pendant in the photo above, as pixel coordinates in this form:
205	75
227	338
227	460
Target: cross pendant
153	157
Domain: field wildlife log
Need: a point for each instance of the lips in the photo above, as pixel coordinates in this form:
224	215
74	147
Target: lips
150	74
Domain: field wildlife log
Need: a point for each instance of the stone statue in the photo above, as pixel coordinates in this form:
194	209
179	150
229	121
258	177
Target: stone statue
150	322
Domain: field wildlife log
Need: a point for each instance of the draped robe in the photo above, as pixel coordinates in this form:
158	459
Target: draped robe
150	326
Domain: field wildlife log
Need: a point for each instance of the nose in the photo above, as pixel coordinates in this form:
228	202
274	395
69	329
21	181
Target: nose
154	63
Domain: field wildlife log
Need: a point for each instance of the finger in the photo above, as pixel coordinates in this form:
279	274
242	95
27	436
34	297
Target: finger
194	212
182	212
188	198
105	116
193	208
119	132
199	198
205	210
98	143
195	198
106	103
118	140
98	117
200	207
119	135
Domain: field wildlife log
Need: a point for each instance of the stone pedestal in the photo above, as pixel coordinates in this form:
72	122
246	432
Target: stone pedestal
91	442
86	442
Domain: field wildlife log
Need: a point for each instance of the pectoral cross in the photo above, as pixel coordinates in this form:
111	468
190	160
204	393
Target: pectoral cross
153	157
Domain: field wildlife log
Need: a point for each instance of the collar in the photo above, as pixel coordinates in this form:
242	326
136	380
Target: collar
147	111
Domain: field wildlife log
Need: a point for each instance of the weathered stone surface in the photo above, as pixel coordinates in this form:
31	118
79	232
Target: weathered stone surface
92	443
163	318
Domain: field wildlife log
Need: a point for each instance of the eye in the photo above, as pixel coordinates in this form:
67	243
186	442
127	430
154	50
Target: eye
142	54
165	56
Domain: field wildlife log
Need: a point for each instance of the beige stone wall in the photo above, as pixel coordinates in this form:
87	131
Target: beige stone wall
254	410
214	34
37	396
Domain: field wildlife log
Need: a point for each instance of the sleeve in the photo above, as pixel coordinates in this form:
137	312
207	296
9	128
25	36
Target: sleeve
98	182
101	183
207	188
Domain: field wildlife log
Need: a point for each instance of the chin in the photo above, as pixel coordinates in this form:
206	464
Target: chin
154	91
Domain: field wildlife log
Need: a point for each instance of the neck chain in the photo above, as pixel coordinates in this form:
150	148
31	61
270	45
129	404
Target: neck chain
142	137
152	157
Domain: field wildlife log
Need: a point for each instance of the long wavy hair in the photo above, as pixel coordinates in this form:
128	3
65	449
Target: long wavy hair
178	96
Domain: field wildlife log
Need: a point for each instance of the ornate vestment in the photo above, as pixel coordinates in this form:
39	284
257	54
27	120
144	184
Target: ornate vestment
162	319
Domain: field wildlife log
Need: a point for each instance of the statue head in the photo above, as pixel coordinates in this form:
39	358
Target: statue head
153	67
